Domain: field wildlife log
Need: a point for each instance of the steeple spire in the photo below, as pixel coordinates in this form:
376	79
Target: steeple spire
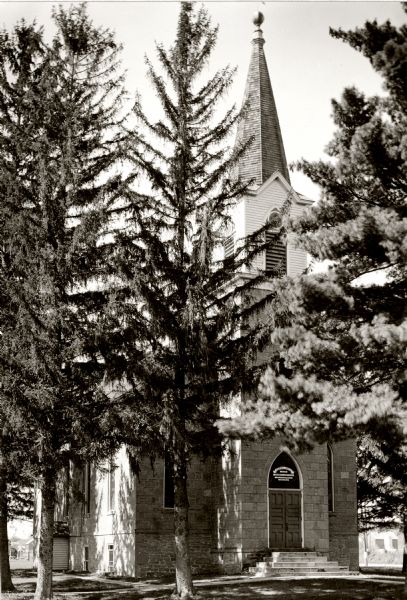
266	153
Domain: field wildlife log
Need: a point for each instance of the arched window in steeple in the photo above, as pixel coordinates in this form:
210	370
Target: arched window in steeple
276	252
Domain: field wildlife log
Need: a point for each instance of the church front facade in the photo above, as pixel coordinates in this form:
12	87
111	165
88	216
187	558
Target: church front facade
258	496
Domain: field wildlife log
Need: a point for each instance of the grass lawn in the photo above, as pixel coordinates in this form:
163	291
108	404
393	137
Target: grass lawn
68	587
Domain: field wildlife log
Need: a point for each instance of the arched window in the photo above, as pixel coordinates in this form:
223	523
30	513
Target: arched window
276	252
284	473
330	465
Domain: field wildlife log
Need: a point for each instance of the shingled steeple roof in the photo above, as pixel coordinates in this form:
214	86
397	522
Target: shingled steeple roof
266	154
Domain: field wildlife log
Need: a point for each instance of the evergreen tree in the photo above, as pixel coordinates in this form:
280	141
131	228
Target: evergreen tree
16	482
61	141
175	313
338	339
382	486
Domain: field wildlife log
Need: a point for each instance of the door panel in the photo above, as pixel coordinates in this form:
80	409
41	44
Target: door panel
285	519
277	519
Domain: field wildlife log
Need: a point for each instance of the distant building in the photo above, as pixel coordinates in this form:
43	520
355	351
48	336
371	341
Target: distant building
260	495
381	547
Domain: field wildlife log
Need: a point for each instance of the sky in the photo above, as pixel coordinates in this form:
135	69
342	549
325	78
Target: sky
307	67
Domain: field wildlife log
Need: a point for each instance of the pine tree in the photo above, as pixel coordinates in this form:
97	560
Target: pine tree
61	142
338	340
175	314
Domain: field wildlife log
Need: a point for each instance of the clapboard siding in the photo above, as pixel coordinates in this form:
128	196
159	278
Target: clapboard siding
296	261
252	213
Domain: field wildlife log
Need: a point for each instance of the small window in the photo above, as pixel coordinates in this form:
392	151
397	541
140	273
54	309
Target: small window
276	252
379	543
85	565
86	488
111	487
168	482
330	466
395	544
110	558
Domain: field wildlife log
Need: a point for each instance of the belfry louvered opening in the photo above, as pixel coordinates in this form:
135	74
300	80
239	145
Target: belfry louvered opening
229	249
276	252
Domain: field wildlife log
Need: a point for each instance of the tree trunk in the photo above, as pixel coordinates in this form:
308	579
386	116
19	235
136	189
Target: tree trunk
183	573
404	567
45	533
6	585
365	548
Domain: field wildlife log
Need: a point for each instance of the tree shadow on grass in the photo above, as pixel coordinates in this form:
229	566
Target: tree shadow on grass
334	589
75	584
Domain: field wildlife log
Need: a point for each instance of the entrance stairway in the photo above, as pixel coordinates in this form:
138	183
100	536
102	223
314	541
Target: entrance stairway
303	564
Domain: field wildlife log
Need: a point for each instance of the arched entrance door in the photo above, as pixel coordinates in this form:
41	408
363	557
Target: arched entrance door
285	518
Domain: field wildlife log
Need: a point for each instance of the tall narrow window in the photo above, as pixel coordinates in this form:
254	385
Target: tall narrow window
168	482
85	565
276	251
66	491
330	478
110	558
86	488
111	487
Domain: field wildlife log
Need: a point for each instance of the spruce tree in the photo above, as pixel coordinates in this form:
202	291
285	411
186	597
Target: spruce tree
177	311
16	481
61	141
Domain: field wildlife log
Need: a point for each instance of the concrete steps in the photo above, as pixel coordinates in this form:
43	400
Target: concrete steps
304	564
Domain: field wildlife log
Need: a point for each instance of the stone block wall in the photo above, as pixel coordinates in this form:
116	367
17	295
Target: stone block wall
154	531
343	538
257	459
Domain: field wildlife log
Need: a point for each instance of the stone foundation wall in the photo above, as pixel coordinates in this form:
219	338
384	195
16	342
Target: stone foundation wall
155	554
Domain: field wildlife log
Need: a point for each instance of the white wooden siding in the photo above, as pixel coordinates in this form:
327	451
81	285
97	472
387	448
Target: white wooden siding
252	213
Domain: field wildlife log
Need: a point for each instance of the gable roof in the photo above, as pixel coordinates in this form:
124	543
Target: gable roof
277	176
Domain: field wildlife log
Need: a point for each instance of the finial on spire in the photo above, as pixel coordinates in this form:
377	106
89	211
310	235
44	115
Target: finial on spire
258	18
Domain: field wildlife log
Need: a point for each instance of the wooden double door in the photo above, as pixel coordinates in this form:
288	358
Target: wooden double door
285	523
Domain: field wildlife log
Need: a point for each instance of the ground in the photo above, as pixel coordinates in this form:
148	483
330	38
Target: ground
77	587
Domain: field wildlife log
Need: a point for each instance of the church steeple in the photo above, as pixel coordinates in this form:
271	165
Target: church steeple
266	153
